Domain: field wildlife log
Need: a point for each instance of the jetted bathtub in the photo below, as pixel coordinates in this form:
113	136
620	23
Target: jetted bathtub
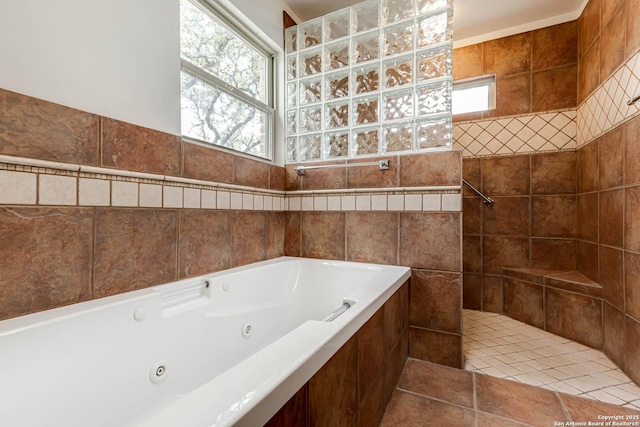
228	348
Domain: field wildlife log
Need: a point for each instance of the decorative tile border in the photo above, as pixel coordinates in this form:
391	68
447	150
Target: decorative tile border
41	183
530	133
607	106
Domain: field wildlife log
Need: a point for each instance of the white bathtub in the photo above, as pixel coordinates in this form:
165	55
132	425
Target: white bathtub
176	355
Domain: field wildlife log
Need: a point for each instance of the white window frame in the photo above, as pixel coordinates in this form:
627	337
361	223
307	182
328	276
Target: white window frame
235	25
477	82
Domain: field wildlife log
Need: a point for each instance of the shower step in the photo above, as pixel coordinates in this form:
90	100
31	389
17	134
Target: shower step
571	281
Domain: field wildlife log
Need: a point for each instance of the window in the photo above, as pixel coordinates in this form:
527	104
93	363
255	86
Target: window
226	82
477	94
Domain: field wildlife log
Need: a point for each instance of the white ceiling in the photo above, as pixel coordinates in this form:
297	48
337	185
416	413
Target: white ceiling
474	21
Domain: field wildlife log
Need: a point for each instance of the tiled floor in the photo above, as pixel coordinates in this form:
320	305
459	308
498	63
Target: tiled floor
501	347
434	395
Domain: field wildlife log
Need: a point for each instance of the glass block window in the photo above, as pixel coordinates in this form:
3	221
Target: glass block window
370	79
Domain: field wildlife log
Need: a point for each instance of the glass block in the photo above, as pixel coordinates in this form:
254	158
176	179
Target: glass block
434	29
395	10
292	149
434	63
310	62
337	85
336	114
310	147
398	137
366	47
310	119
366	110
434	98
292	94
336	55
398	105
336	25
366	78
311	33
365	16
398	38
310	91
292	61
292	123
337	144
398	72
426	7
291	39
366	140
434	133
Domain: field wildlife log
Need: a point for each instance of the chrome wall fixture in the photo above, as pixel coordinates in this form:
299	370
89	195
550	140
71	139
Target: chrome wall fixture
382	164
488	201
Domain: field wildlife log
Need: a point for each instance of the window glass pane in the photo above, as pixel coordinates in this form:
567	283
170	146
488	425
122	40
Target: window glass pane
209	44
475	95
212	115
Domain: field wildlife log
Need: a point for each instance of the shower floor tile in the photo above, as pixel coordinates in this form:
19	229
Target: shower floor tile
502	347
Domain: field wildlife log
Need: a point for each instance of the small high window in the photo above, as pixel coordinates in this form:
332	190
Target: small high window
226	81
471	95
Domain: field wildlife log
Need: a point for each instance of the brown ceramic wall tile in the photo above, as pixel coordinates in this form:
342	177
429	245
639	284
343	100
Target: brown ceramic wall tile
293	413
436	300
589	24
588	168
513	95
292	234
588	259
506	176
467	62
392	370
472	291
431	240
492	294
632	151
436	347
372	237
611	221
472	254
520	402
508	55
204	242
574	316
328	178
632	219
554	216
488	420
134	249
392	310
632	284
323	235
553	173
440	382
248	237
31	127
372	405
589	71
554	89
407	409
371	353
373	176
207	163
501	252
472	173
293	181
45	258
607	9
554	254
509	216
275	223
613	325
612	42
633	27
440	168
472	215
524	302
611	162
588	217
130	147
585	410
632	340
612	276
333	390
251	173
555	46
277	178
